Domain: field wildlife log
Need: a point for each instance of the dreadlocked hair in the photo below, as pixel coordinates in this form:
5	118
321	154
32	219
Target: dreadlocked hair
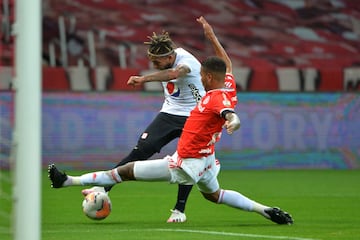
160	45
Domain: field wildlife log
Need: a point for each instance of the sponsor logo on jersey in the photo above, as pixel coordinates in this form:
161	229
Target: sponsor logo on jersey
206	150
200	107
173	89
203	102
205	169
195	92
144	135
206	100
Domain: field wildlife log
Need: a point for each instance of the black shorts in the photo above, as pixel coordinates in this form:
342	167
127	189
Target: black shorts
162	130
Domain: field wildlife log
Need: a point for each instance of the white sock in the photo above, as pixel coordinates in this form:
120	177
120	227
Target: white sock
101	178
237	200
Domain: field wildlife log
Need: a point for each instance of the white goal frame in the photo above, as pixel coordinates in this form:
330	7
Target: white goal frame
27	130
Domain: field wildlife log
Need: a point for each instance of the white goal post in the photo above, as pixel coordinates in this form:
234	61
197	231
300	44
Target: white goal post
27	131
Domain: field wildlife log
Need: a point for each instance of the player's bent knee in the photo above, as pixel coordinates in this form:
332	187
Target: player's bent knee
126	171
212	197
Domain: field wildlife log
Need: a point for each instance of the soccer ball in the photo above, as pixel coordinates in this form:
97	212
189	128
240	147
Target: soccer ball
97	205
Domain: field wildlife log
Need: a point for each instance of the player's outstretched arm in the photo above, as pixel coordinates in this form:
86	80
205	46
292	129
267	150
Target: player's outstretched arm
160	76
219	50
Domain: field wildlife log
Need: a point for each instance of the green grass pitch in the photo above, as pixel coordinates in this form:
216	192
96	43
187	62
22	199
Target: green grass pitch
324	204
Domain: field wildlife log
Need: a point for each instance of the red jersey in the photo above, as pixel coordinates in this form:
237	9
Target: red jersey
231	84
204	125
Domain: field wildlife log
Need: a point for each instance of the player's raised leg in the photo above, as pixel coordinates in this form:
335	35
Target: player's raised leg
102	178
151	170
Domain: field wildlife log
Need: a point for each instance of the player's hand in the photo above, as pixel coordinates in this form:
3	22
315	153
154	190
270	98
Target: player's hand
230	128
208	31
135	81
232	123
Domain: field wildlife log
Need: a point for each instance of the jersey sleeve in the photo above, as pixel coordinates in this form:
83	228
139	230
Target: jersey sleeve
230	84
230	81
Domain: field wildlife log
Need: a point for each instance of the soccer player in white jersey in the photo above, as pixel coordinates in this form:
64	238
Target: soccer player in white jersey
194	161
179	73
180	94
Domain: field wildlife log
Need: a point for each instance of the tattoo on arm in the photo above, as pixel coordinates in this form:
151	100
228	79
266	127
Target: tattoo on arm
168	74
182	70
159	76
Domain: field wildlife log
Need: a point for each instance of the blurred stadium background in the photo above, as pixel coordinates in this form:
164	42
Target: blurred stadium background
297	65
296	62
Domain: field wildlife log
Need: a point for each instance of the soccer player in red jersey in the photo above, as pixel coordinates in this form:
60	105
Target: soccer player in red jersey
179	73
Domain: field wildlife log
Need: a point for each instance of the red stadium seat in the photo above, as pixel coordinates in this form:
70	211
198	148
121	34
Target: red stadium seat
331	79
263	80
120	77
263	76
55	78
299	43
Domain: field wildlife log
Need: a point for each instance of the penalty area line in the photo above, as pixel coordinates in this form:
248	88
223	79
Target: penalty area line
232	234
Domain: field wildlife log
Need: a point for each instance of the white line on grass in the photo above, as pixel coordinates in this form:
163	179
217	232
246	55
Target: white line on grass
232	234
247	235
